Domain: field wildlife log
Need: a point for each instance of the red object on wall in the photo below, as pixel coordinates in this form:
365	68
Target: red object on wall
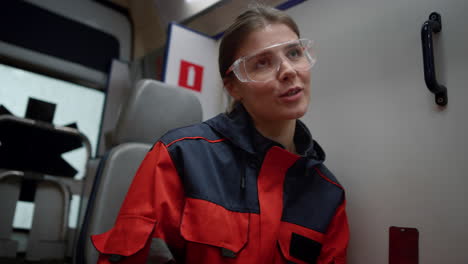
191	75
404	248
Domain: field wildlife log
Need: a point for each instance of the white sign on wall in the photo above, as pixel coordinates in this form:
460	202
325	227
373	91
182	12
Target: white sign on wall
192	63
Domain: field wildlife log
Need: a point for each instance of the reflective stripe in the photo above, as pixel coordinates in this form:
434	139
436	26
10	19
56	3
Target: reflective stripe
159	253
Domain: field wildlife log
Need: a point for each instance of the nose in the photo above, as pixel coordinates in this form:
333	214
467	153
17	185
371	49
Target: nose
286	71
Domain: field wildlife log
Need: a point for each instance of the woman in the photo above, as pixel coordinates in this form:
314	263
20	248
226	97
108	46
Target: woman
244	187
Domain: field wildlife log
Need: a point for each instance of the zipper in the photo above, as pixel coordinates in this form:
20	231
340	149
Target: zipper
243	180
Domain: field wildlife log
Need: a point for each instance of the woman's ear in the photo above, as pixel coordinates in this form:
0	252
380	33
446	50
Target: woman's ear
232	87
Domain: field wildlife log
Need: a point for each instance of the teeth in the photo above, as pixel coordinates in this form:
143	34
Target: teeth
292	92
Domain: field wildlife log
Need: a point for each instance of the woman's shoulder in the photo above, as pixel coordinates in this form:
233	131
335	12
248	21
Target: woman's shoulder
200	131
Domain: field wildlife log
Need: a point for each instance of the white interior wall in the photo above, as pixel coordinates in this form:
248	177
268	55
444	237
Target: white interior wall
181	46
402	160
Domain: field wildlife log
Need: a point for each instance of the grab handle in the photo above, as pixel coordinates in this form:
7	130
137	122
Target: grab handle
433	25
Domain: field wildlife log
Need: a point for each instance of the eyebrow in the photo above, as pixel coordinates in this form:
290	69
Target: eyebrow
262	53
294	43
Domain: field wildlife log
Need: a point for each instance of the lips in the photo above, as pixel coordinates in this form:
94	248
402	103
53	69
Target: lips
291	92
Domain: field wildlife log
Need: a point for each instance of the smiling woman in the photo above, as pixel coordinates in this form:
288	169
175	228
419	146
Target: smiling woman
248	186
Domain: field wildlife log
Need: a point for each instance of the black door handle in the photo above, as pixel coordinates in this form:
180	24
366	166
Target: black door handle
433	25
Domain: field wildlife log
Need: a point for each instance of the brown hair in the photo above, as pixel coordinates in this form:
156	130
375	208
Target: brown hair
256	17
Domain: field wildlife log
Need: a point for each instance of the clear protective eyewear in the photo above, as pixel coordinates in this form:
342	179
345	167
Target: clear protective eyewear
263	65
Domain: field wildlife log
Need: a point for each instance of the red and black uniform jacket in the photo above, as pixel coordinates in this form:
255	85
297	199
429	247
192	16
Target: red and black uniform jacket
219	192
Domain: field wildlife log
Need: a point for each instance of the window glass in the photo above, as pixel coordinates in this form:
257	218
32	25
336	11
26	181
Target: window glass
74	104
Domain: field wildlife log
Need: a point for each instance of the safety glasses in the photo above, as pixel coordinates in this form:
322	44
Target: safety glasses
263	65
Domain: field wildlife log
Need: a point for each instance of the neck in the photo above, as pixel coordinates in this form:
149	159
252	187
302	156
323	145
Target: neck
279	131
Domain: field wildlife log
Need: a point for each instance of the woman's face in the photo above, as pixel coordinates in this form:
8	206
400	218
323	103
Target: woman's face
286	96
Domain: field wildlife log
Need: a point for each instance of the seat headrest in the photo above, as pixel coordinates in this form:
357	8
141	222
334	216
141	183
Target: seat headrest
153	109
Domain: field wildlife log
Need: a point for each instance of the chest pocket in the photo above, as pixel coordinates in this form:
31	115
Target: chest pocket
299	244
208	223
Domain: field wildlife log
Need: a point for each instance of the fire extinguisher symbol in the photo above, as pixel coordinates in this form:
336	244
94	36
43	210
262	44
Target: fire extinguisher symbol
190	75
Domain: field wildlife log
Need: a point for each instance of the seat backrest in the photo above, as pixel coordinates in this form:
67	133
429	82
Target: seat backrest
47	238
10	186
116	174
152	110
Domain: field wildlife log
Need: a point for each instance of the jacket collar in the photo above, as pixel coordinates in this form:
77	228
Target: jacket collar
237	126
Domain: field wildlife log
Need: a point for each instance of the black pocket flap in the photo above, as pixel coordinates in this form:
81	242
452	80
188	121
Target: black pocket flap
304	248
299	244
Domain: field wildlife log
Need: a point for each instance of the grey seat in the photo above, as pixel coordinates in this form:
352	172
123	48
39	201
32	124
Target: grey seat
47	239
152	110
48	236
10	185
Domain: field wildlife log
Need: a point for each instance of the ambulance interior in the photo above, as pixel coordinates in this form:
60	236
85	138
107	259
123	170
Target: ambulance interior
87	87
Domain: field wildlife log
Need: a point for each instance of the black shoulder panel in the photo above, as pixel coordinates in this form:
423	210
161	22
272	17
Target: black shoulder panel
212	168
310	198
189	132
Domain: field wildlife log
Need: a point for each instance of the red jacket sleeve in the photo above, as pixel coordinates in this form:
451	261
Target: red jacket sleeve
336	239
151	212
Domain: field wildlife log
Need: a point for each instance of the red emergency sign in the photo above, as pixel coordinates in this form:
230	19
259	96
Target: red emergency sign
191	75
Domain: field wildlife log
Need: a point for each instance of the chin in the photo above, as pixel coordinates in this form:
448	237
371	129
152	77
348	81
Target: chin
294	113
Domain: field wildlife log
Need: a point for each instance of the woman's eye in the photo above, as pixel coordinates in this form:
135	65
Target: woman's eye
262	63
295	53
